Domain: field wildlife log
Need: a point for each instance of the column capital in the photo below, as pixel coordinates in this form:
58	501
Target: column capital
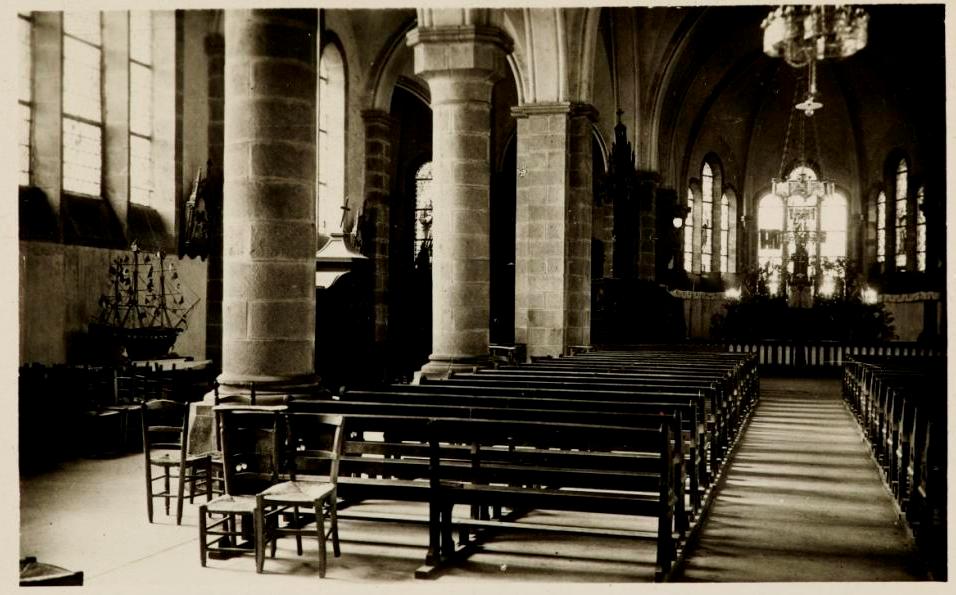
550	108
444	49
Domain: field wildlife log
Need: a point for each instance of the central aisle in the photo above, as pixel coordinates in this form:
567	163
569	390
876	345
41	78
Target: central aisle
802	500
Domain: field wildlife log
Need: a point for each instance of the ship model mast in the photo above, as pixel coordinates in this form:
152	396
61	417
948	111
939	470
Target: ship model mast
145	310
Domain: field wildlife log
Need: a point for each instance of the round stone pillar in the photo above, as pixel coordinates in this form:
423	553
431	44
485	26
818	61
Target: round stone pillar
461	65
269	179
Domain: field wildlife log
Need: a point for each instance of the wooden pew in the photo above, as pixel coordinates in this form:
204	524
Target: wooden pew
394	403
626	481
577	405
717	415
521	465
901	407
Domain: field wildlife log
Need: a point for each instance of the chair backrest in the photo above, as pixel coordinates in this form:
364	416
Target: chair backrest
165	424
252	441
244	400
314	446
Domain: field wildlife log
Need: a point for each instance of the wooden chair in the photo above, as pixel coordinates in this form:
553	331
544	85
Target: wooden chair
313	450
252	438
165	431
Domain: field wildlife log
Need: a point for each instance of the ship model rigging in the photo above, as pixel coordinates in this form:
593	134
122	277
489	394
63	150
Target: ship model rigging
145	309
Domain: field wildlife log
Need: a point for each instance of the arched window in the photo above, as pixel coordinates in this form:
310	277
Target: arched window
881	227
901	212
725	234
331	141
920	230
770	225
423	213
707	217
689	233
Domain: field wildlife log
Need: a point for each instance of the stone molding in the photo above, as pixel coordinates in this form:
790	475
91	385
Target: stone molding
475	49
549	108
446	34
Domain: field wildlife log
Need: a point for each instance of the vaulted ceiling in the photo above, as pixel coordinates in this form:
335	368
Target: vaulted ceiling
695	80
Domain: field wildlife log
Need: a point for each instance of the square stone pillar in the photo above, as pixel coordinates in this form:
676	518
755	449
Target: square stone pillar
461	65
379	126
269	185
646	195
553	235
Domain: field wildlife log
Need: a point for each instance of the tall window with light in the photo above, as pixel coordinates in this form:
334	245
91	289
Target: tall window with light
707	217
770	226
901	213
689	233
424	190
140	106
82	103
833	225
881	227
331	141
724	233
920	230
25	96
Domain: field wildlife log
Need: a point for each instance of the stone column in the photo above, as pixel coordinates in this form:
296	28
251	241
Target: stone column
269	199
460	64
378	166
553	235
215	52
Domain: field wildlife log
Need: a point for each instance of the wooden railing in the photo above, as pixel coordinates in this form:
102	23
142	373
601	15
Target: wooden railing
821	355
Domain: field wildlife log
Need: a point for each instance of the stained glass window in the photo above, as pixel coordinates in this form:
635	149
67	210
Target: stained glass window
707	217
920	230
881	227
689	233
724	233
901	213
424	195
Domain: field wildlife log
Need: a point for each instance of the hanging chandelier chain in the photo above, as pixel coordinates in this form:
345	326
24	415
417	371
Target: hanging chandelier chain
817	153
786	138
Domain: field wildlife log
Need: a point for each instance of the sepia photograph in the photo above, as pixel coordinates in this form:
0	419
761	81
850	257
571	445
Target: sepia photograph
463	296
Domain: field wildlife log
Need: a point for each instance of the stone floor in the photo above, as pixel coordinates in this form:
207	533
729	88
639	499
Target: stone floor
802	499
802	502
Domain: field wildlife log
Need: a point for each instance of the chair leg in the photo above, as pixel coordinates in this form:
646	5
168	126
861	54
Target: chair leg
166	485
272	538
334	519
208	472
149	491
202	535
179	493
260	530
320	529
298	536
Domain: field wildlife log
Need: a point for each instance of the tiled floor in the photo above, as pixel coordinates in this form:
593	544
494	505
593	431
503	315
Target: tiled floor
801	502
